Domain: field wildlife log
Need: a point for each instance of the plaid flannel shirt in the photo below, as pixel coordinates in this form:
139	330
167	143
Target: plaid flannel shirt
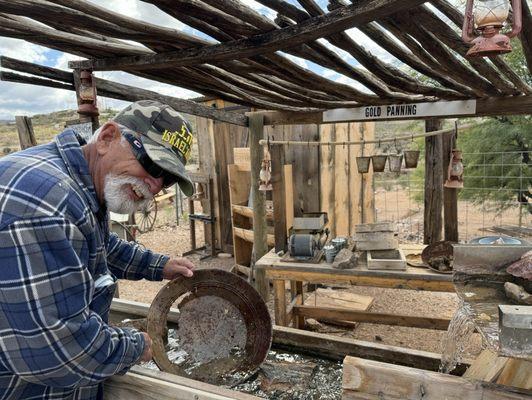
55	250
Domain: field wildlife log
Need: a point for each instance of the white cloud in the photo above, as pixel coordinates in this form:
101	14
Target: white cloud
141	11
299	61
22	50
364	41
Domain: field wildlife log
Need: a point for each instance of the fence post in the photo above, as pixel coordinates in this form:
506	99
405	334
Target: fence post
432	222
26	136
260	246
450	195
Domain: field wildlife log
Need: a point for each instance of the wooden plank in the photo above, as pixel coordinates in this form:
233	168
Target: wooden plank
450	195
486	367
517	373
338	299
327	180
364	280
382	380
279	302
432	220
341	185
140	384
311	29
490	106
242	157
289	197
249	235
305	161
332	346
248	211
26	137
338	314
356	192
279	198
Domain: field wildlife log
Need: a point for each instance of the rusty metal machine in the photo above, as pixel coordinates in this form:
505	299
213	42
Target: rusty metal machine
307	236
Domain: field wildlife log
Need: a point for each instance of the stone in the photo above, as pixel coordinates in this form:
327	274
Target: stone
345	259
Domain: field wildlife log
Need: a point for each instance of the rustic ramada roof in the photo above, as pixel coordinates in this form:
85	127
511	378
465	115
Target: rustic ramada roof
242	64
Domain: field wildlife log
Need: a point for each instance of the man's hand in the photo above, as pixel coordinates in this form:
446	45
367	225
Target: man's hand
178	266
146	354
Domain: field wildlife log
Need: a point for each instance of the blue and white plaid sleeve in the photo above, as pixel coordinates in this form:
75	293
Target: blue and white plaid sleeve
48	334
127	260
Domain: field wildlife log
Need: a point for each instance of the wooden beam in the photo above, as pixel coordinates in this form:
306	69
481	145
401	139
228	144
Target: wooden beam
114	90
248	211
35	69
432	219
26	136
320	313
30	80
491	106
144	384
332	346
314	28
375	380
450	195
249	235
260	236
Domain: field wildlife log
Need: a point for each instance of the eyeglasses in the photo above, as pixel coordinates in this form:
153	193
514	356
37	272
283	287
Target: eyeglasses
144	159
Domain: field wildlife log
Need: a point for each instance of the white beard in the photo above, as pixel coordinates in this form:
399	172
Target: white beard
118	199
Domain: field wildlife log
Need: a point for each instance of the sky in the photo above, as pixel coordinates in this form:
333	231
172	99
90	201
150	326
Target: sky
21	99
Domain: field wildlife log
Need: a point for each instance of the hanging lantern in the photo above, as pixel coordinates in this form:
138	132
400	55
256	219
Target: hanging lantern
488	18
265	174
87	95
455	172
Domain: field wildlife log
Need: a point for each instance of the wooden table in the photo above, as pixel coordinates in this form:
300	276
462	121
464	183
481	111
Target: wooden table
297	273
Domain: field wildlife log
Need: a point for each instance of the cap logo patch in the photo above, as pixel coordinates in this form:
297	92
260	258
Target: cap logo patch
180	140
137	143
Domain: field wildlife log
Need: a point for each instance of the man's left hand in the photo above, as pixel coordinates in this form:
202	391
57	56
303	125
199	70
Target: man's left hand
176	267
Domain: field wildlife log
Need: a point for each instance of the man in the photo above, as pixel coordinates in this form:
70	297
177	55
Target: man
58	262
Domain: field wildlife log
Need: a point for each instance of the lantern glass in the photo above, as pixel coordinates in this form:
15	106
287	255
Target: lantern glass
491	12
457	168
86	93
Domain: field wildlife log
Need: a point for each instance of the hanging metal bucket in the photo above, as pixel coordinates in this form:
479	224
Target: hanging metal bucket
379	162
394	162
411	158
363	164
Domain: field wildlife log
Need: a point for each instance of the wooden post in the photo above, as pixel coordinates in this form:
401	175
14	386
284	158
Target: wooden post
260	245
26	137
279	198
432	223
450	196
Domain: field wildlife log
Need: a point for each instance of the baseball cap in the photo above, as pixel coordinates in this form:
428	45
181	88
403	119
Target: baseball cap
165	135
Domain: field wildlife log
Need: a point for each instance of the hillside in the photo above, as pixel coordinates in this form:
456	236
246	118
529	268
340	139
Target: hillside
45	126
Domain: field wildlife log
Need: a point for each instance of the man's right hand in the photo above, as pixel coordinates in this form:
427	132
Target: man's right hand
146	354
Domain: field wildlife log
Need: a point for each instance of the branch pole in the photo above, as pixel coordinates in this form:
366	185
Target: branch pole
267	142
260	244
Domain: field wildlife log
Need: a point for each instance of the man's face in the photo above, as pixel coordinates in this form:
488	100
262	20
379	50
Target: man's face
127	187
125	194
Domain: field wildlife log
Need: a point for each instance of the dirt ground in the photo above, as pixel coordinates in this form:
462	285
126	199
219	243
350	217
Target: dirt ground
172	239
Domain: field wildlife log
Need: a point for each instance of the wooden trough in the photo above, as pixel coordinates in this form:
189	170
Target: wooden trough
142	383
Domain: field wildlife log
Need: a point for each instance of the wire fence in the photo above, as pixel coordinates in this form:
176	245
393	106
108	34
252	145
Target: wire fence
494	201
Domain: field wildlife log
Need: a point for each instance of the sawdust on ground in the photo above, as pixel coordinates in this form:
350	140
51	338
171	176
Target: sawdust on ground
172	239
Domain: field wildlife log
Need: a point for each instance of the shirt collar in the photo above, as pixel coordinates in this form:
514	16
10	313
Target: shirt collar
70	150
